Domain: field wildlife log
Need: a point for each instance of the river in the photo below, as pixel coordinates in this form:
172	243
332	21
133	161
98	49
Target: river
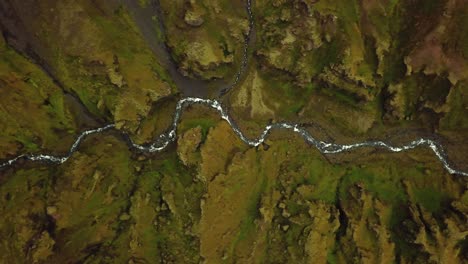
170	135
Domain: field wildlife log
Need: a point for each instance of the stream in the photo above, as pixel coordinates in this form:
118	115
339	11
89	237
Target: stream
163	140
149	20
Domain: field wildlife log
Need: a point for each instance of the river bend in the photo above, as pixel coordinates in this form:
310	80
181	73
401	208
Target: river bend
163	140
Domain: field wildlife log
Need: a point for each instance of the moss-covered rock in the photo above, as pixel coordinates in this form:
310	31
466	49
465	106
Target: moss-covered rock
206	38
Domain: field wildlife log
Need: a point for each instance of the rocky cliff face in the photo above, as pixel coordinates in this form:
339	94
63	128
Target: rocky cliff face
346	70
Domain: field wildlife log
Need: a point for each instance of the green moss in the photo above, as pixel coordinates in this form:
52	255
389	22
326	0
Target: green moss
327	55
382	182
88	227
247	227
331	257
73	72
340	96
457	117
26	141
324	178
293	98
431	199
174	167
294	208
32	111
293	236
204	123
160	36
182	194
248	222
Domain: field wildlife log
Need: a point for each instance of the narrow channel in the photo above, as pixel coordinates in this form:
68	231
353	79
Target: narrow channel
166	138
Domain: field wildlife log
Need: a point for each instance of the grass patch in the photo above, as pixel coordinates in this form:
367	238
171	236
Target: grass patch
204	123
430	198
247	225
324	178
158	29
172	166
381	183
331	255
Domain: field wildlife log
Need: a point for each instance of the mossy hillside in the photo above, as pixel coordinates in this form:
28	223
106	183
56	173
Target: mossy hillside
304	175
438	79
314	69
416	97
301	176
91	192
34	114
355	61
282	201
163	214
24	198
96	51
457	100
362	59
431	199
282	100
136	210
152	207
322	35
143	79
206	39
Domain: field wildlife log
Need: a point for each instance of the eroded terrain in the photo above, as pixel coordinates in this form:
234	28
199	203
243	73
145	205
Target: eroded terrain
346	71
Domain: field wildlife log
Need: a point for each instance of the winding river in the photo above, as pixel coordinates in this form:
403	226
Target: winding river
163	140
170	135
